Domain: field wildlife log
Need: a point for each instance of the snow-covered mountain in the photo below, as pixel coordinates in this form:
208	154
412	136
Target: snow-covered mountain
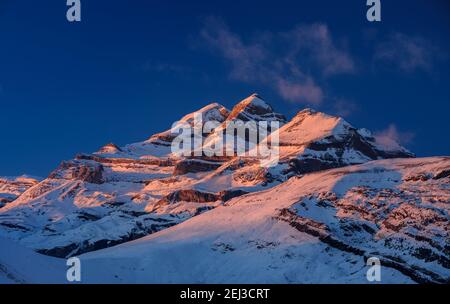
316	228
119	194
319	227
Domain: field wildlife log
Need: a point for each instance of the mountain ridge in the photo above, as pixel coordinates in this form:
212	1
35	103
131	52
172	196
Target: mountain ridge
118	194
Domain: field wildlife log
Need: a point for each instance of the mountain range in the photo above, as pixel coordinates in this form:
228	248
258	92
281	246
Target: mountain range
141	214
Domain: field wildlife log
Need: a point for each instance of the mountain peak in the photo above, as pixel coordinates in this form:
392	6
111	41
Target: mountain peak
255	108
256	95
110	148
307	111
255	100
213	111
317	119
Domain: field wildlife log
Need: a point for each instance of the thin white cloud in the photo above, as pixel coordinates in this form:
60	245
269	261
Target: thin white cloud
407	53
392	134
260	59
305	92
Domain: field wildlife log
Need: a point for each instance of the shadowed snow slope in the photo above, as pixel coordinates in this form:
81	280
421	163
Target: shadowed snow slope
22	265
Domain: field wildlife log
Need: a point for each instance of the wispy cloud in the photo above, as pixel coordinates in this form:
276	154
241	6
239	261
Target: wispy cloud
305	91
387	136
344	107
315	42
281	60
245	59
407	53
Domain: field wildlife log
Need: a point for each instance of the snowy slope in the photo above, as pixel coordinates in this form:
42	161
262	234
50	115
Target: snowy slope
312	229
20	265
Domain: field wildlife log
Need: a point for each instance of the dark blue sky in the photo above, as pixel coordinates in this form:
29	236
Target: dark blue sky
131	68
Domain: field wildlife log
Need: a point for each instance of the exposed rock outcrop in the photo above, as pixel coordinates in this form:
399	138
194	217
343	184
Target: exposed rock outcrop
87	171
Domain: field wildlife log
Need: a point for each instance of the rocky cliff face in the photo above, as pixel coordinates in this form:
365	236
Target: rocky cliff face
119	194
